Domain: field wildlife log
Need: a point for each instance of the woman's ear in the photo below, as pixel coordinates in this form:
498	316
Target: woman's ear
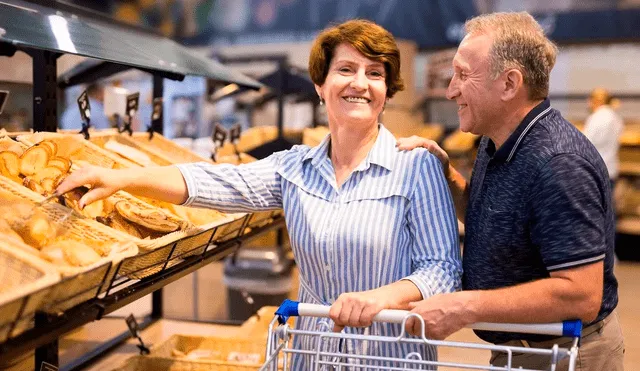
513	82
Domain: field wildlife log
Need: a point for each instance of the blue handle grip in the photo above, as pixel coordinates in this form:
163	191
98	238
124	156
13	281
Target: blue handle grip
572	328
288	308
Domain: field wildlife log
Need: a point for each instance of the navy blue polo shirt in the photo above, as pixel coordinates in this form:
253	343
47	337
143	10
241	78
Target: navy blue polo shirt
540	203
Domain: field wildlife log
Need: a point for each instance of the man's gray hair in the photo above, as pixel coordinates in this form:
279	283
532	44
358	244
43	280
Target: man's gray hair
518	42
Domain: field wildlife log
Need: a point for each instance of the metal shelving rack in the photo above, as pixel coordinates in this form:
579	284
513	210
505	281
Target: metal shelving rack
48	328
38	31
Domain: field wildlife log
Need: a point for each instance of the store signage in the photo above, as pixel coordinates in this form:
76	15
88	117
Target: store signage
431	24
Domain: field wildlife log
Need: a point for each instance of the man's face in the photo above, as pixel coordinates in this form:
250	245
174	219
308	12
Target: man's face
473	89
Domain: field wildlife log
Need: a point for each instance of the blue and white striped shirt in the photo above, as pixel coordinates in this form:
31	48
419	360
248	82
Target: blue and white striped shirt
392	219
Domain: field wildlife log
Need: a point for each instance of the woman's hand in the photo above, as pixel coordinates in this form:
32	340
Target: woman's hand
101	181
357	309
415	141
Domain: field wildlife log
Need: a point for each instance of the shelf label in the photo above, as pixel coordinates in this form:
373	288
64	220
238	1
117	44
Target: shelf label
44	366
4	94
132	324
85	107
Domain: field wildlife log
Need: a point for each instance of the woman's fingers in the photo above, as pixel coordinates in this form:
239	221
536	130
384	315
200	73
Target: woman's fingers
96	179
94	195
84	176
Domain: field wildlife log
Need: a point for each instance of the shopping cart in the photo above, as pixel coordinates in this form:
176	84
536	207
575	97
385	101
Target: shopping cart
279	350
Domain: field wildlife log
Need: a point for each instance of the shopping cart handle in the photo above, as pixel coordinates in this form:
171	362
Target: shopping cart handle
571	328
290	308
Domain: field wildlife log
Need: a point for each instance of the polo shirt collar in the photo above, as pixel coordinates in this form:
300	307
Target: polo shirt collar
506	152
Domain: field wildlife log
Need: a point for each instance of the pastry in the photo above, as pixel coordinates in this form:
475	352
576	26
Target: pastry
52	172
33	185
129	153
8	233
31	224
73	253
53	254
33	160
155	220
10	164
50	146
10	145
63	164
116	221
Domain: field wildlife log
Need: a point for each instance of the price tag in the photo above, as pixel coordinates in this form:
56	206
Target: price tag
219	136
132	104
132	324
4	95
44	366
234	133
85	107
157	109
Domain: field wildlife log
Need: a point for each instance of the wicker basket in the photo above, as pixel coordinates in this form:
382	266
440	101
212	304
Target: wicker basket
257	326
26	283
168	148
219	349
79	150
95	155
146	363
81	283
190	241
102	137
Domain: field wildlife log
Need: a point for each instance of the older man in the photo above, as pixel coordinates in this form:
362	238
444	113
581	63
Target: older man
538	217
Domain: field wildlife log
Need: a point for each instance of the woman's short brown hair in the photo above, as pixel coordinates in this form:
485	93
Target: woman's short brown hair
373	41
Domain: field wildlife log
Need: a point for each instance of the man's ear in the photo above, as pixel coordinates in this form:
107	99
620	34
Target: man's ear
513	84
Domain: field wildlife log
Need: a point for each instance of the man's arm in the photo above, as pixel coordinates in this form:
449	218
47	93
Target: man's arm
457	183
569	294
459	191
568	226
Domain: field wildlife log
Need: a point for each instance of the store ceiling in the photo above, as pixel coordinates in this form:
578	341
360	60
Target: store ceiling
27	25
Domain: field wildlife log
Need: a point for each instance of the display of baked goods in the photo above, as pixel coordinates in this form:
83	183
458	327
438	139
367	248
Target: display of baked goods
41	169
23	222
129	153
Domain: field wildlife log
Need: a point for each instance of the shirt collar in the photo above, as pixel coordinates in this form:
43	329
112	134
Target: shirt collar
510	146
381	154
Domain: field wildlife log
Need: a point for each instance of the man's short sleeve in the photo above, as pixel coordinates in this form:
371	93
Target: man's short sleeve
569	204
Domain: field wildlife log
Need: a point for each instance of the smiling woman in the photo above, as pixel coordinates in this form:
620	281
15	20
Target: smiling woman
371	227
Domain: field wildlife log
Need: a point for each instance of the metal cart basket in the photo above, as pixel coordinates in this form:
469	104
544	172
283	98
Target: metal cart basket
280	350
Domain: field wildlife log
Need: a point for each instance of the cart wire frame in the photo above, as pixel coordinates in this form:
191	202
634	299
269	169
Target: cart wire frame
279	351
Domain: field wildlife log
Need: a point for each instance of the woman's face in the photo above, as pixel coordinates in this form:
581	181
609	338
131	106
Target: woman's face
355	89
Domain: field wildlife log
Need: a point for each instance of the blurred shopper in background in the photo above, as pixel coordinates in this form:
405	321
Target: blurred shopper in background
371	227
539	222
604	127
